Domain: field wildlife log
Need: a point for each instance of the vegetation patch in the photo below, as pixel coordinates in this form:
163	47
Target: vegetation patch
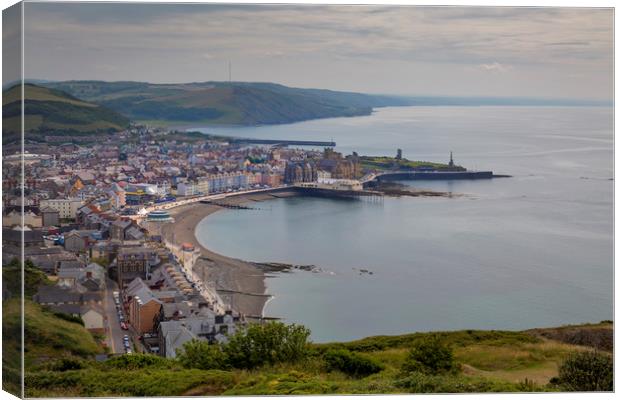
352	364
587	371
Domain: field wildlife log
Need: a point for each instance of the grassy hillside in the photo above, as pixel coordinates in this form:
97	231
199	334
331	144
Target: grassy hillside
488	361
47	338
234	103
53	112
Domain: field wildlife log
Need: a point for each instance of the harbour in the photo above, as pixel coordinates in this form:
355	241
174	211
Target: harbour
502	274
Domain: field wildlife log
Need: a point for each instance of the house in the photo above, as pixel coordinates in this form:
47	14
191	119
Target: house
49	259
172	336
67	277
174	333
92	278
93	319
30	218
78	241
143	306
31	237
57	295
50	216
134	262
119	228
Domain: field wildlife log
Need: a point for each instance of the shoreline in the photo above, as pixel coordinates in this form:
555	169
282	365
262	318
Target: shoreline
240	283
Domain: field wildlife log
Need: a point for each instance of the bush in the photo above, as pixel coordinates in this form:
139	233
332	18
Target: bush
69	317
417	382
353	364
202	355
138	361
66	364
429	356
269	343
587	372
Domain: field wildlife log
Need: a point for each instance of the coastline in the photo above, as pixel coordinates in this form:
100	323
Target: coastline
240	283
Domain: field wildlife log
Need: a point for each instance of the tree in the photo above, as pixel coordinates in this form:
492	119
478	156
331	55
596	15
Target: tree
430	356
202	355
269	343
587	371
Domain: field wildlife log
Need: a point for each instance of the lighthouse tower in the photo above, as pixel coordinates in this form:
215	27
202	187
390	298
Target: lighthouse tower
451	163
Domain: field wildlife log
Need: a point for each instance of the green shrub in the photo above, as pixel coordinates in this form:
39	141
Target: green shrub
353	364
66	364
417	382
202	355
138	361
269	343
586	372
429	356
68	317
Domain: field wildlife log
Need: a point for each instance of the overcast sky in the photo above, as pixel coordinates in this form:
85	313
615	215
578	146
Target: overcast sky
542	52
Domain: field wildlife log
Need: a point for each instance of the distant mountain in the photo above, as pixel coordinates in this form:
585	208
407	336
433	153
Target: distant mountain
53	112
229	103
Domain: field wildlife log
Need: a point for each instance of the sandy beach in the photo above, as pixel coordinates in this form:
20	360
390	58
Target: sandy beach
240	283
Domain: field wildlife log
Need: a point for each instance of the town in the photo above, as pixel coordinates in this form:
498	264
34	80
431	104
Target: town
93	209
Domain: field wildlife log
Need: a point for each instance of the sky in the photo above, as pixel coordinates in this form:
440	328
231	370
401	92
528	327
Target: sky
410	50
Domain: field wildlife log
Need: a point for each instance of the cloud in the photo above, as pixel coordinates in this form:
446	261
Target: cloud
272	41
495	67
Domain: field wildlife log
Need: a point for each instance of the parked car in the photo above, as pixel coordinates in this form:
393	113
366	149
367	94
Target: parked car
124	326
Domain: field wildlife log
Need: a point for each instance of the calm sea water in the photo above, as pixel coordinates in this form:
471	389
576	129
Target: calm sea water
529	251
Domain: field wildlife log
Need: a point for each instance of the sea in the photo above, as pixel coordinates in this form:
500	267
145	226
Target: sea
532	250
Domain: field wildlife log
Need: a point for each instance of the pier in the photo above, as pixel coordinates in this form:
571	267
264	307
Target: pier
283	142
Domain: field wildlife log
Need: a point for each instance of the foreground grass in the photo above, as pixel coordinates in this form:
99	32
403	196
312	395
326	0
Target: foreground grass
59	362
489	361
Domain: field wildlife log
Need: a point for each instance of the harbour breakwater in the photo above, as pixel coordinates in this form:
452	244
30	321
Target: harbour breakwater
436	175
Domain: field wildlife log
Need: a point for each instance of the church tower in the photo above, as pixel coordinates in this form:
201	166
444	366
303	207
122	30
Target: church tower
451	163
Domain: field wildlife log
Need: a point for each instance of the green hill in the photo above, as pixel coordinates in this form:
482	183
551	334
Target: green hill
230	103
487	361
48	338
54	112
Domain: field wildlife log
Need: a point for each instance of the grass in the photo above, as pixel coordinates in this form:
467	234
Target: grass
387	163
38	93
53	112
117	382
489	361
47	336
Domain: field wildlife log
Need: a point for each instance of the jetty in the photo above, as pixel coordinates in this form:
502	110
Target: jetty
283	142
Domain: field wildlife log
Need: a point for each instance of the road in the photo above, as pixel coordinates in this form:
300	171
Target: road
114	333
